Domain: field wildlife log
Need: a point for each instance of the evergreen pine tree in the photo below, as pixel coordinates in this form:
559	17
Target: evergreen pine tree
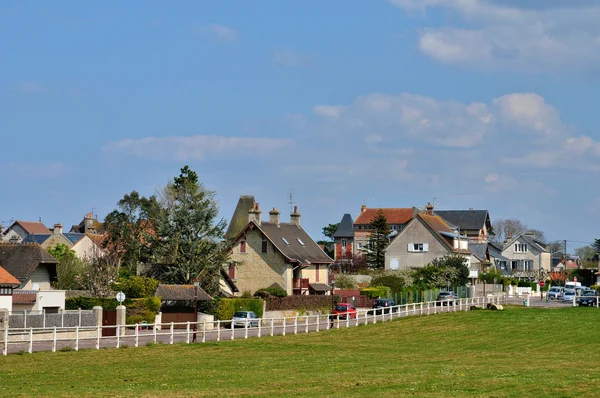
378	241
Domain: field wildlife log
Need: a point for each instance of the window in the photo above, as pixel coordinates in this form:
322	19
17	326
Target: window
400	227
528	265
393	227
418	247
243	246
232	271
344	244
360	245
300	241
394	264
520	248
514	265
6	291
264	245
285	240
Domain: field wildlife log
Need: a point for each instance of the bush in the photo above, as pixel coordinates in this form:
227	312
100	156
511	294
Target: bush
395	280
345	282
87	303
143	310
225	307
271	291
524	284
376	292
306	303
137	286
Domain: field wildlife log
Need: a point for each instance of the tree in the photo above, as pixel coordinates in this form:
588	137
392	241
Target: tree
99	275
556	246
503	228
68	269
596	245
128	229
378	241
188	240
329	230
395	280
450	269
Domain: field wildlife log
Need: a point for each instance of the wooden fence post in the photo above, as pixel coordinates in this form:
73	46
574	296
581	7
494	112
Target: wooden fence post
76	338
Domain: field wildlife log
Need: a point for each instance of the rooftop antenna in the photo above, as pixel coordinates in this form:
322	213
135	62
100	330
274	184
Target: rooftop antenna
93	215
365	200
291	201
434	202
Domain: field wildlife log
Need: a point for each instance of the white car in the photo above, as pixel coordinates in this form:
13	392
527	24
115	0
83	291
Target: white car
555	293
569	295
245	319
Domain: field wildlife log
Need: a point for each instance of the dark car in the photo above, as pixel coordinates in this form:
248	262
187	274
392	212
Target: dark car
384	306
587	298
446	298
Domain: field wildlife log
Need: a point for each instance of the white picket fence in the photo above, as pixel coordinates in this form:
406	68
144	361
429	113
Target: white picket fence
26	339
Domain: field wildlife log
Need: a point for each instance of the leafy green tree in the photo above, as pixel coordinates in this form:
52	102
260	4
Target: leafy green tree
68	269
378	241
329	230
129	228
596	245
137	286
449	269
188	241
395	280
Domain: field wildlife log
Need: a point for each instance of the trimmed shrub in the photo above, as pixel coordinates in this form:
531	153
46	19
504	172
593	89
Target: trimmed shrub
376	292
395	280
137	286
524	284
271	291
227	306
87	303
143	310
305	303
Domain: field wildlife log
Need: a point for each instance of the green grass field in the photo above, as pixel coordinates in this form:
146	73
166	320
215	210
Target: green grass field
514	353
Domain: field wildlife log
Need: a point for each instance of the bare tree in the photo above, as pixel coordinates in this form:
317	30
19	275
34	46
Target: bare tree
503	228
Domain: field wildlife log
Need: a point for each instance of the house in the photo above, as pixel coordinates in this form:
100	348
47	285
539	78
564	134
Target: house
475	224
271	252
527	256
227	286
343	239
19	230
84	245
499	262
397	219
424	239
480	258
7	284
89	225
35	269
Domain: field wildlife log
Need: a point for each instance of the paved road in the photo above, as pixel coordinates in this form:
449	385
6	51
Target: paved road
302	325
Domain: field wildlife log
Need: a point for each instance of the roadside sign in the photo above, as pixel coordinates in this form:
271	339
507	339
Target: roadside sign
542	283
120	297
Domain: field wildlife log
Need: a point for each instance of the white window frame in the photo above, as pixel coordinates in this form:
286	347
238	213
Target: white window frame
521	248
418	247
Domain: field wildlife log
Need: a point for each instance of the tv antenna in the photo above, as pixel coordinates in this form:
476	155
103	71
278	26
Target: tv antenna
365	200
291	201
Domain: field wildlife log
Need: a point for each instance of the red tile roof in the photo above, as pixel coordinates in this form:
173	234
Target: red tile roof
23	297
393	215
33	227
7	279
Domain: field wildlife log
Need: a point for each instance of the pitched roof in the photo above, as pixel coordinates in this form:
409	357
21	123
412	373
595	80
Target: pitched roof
496	251
32	227
345	229
441	230
532	242
7	279
41	238
24	297
239	220
74	237
393	215
180	293
479	250
292	241
80	228
466	219
21	260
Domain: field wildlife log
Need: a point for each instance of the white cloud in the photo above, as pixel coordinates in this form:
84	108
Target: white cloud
197	147
221	33
29	88
372	139
292	59
491	35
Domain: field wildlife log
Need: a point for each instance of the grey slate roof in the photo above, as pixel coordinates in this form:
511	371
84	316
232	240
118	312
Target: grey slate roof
479	250
299	247
532	242
39	238
22	259
180	293
496	251
345	229
239	220
466	219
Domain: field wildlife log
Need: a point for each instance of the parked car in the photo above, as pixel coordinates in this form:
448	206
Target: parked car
569	295
344	310
580	289
555	292
245	319
383	306
587	298
446	298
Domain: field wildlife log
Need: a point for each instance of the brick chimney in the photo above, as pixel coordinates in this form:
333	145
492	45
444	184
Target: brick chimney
88	223
274	216
57	229
295	217
254	214
429	209
363	208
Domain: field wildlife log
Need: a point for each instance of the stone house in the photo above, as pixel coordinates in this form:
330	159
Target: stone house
89	225
425	238
19	230
275	253
475	224
343	239
397	218
526	255
84	245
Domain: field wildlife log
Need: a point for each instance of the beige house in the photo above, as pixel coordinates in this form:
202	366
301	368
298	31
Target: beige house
275	253
84	245
425	238
526	255
19	230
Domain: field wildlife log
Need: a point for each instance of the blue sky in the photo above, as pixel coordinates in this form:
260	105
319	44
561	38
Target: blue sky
482	104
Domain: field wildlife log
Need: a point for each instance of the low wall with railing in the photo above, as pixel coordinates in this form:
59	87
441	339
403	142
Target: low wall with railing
42	319
56	338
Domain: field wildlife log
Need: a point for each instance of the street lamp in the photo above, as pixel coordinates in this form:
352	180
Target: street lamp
421	288
196	284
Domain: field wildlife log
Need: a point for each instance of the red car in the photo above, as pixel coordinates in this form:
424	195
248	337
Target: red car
344	310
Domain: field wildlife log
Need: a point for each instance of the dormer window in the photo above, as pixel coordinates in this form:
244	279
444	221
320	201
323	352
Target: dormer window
300	241
285	240
520	248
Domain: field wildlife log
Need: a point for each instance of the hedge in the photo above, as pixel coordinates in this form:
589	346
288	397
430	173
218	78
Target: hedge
137	309
225	307
376	292
305	303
